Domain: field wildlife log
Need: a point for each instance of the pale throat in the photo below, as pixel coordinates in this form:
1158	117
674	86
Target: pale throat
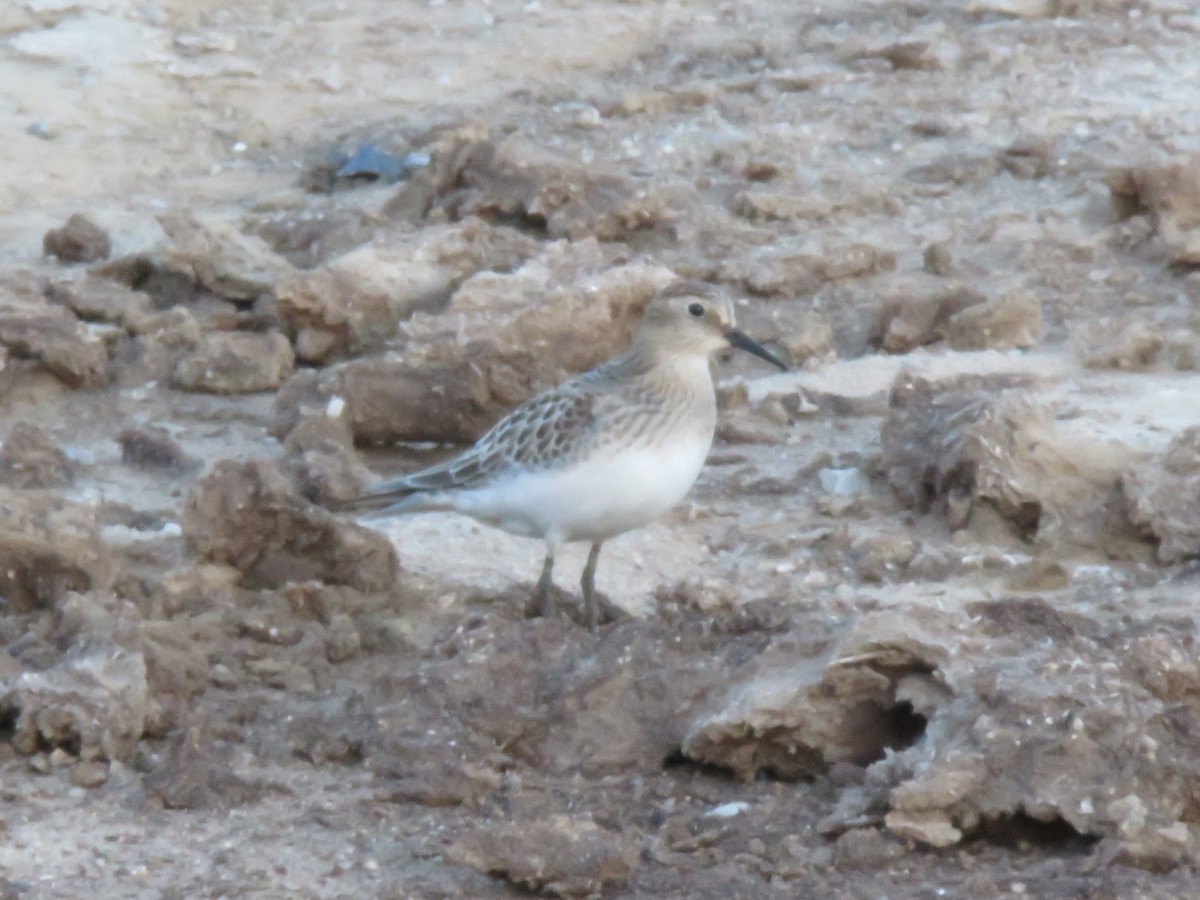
686	376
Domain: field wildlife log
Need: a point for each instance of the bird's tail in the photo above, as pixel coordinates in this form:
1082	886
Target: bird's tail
391	498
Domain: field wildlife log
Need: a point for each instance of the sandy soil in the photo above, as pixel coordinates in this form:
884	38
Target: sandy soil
926	626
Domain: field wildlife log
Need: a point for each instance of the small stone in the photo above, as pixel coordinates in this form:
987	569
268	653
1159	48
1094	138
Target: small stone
881	557
938	260
866	848
355	302
776	270
1005	321
342	642
235	363
97	299
80	240
94	701
220	675
30	459
563	855
849	482
153	447
921	310
1029	157
59	342
214	253
1129	343
1163	497
728	810
48	547
932	827
813	339
918	55
249	516
90	773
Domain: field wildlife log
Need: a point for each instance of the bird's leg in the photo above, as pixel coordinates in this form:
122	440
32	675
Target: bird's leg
589	588
545	586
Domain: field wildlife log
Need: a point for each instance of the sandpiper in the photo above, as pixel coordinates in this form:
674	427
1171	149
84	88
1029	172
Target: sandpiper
603	453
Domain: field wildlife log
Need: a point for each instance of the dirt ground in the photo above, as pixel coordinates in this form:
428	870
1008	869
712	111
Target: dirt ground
926	627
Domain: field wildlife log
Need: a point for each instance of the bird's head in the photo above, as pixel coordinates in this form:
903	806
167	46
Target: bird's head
694	318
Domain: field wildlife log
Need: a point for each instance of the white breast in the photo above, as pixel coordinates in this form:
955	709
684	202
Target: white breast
595	499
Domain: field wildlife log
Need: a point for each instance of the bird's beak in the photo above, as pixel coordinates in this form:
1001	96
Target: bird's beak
739	340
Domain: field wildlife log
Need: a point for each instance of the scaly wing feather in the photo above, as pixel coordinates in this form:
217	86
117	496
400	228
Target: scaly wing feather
548	430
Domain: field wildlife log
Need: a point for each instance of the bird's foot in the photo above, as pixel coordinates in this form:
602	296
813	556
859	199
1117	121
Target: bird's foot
545	602
607	612
562	601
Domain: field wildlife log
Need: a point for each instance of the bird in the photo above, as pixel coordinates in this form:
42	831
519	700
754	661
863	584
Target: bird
603	453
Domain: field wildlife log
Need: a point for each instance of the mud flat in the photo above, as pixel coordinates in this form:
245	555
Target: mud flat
927	624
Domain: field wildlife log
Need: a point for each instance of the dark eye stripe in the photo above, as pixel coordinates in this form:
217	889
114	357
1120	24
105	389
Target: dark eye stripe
696	309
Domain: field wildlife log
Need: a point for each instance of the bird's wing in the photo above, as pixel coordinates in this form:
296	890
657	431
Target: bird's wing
550	429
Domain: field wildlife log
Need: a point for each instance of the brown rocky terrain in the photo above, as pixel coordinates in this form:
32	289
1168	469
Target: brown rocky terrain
925	628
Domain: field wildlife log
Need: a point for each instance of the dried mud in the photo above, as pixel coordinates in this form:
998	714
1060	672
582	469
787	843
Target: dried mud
927	625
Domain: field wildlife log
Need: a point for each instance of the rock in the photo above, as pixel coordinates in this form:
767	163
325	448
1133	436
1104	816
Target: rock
159	341
883	557
309	230
47	548
213	253
503	338
766	204
470	174
246	515
196	773
921	56
176	653
220	675
1167	191
1163	496
57	342
30	459
934	829
806	723
957	168
938	259
322	460
1007	321
812	339
1129	343
1169	195
788	272
175	329
235	363
90	773
1029	157
847	482
923	310
355	302
1007	709
567	856
94	299
93	701
433	780
623	714
80	240
867	848
1021	9
343	641
974	446
152	447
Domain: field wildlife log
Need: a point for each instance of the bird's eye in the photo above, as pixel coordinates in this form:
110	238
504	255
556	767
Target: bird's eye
696	309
